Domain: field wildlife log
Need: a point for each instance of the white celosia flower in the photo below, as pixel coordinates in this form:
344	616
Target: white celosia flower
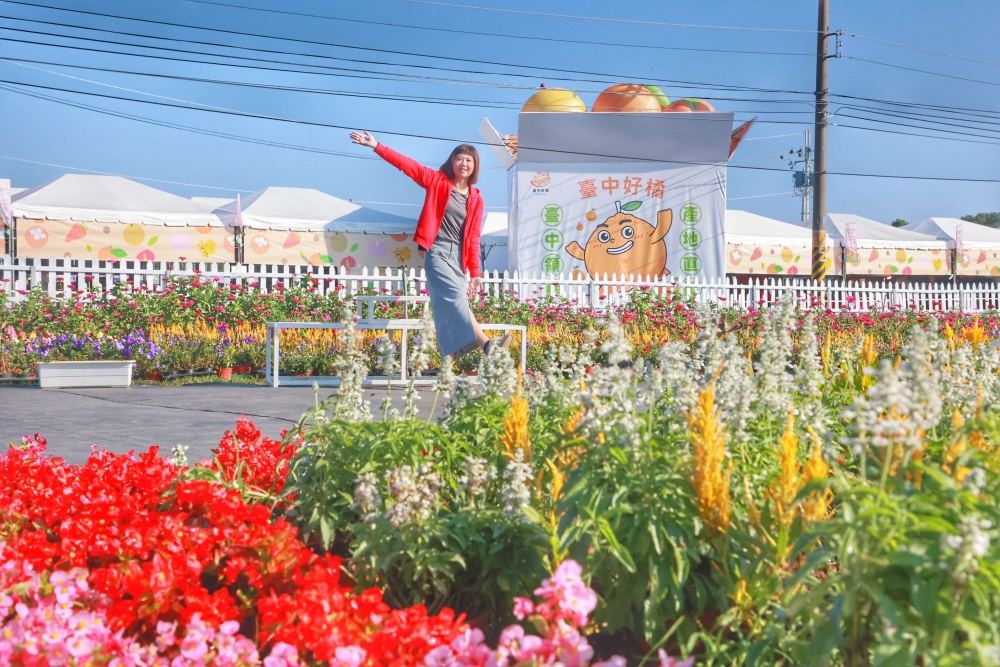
497	373
774	382
885	417
476	475
516	491
414	492
352	368
367	500
680	371
734	391
809	380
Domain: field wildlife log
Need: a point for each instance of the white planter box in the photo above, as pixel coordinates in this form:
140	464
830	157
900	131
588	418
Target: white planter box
56	374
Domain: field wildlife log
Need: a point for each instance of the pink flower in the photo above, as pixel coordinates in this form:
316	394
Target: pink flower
349	656
282	655
440	657
523	607
229	628
667	661
79	647
613	661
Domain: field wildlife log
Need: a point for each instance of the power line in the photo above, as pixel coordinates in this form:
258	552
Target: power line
466	103
450	59
922	71
922	50
588	43
610	20
453	140
775	194
201	131
108	173
490	104
918	127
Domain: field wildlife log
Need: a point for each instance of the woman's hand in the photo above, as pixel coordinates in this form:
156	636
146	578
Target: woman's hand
475	287
365	139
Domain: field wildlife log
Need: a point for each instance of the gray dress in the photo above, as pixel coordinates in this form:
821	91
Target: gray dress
448	285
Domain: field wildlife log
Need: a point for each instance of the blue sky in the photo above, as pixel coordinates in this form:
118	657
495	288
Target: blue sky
374	74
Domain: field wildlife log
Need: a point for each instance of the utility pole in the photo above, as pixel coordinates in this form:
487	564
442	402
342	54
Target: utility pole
822	103
803	180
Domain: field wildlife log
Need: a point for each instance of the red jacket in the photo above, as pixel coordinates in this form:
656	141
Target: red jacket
439	187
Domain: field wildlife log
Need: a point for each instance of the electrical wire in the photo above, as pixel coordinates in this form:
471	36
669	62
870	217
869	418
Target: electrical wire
589	43
201	131
490	104
611	20
922	50
135	178
454	140
922	71
450	59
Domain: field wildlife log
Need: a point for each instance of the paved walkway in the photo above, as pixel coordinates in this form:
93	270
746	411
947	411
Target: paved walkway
196	415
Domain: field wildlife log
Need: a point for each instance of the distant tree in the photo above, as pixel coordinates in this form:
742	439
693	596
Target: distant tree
899	222
988	219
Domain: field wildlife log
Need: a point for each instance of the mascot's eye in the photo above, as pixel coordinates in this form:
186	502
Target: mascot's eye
603	236
627	232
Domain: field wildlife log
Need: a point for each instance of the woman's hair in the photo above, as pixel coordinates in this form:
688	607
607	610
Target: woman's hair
462	149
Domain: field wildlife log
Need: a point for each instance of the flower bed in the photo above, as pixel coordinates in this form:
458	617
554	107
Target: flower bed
200	325
807	503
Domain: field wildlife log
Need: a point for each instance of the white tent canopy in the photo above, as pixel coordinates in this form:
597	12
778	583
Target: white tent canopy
874	234
87	198
209	204
974	236
750	228
305	209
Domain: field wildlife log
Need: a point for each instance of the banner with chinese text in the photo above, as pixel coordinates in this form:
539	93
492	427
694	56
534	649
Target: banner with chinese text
625	218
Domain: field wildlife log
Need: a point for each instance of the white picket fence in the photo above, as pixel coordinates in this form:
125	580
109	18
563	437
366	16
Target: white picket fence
74	279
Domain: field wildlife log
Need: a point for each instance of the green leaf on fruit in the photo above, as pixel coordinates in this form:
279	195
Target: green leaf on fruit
326	259
661	97
119	253
894	269
632	205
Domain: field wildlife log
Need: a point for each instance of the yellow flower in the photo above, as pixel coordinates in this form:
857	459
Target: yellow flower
515	436
816	505
975	334
709	472
786	487
869	354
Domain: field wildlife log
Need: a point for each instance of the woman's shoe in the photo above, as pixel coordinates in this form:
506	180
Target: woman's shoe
503	342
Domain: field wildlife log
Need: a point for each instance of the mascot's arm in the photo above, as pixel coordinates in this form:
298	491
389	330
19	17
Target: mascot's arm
576	250
663	221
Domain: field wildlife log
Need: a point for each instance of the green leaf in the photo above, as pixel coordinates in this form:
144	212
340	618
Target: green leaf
354	247
326	259
89	249
632	205
119	253
661	97
153	239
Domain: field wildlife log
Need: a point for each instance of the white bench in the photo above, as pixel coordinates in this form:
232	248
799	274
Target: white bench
365	310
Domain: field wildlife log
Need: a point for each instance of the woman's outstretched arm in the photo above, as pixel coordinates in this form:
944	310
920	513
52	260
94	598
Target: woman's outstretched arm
422	176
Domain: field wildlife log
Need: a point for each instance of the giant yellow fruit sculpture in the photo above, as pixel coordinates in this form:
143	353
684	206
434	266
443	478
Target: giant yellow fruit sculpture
554	99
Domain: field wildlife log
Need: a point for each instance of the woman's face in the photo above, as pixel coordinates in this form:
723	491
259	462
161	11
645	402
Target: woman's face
463	165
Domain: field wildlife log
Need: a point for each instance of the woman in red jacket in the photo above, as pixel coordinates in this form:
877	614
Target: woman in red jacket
448	231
